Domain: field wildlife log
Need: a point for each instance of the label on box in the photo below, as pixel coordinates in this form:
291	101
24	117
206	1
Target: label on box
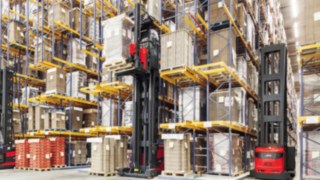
42	116
216	52
34	157
169	44
312	120
316	16
220	99
51	77
207	124
61	76
107	147
121	144
92	123
86	130
73	153
315	154
62	154
19	157
172	126
218	167
186	145
32	134
94	147
46	132
171	143
79	151
28	156
228	101
108	129
248	154
78	118
124	33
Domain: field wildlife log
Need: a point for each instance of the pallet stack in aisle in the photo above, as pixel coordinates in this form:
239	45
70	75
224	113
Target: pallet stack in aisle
22	154
40	154
58	151
78	153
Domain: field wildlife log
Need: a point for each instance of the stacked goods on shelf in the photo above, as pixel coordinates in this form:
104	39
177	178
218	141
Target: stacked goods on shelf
249	161
220	149
90	117
22	67
89	5
58	119
78	152
31	117
109	112
176	154
312	153
40	151
176	50
76	116
56	81
184	10
92	61
78	21
58	12
57	151
39	117
127	113
192	104
120	157
220	52
28	92
97	154
91	83
5	7
75	54
75	81
22	153
43	50
47	120
217	14
154	9
252	77
16	32
117	32
39	19
221	101
200	154
242	67
93	29
169	91
16	121
312	95
251	114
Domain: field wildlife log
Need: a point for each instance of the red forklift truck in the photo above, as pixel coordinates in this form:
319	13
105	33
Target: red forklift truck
275	154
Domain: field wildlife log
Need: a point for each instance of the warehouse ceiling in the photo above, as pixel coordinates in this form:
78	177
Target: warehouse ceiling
300	25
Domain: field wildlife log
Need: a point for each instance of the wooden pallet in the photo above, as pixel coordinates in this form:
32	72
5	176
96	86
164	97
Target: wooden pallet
21	168
40	169
59	166
172	68
177	174
118	65
227	174
102	174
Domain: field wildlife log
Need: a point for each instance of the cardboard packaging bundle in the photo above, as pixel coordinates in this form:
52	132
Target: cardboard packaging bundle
40	116
58	119
252	77
47	120
43	50
16	121
127	115
311	152
56	81
177	153
91	83
40	150
22	153
220	103
117	37
109	113
220	52
219	150
58	12
78	21
78	81
192	106
78	152
90	117
217	13
76	118
57	151
76	55
16	32
250	154
97	152
176	49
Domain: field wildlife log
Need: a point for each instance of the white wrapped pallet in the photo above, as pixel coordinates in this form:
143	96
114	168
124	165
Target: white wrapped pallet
127	114
28	92
117	35
76	55
154	9
78	81
109	113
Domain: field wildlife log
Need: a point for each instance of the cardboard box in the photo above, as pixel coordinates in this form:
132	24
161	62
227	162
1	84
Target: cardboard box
56	81
90	117
78	21
78	81
217	13
47	120
109	113
58	12
43	50
78	152
16	32
58	119
40	116
76	118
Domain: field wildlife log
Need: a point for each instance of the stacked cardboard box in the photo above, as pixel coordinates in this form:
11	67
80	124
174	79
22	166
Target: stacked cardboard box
92	62
252	114
184	9
176	49
40	116
28	92
57	151
31	117
78	152
16	120
47	120
22	153
97	152
217	13
154	9
192	106
127	114
16	32
220	150
93	29
90	117
91	83
40	150
252	77
76	116
39	19
78	21
75	81
76	55
221	102
109	113
312	95
56	81
177	153
58	119
58	12
242	66
43	50
312	153
117	37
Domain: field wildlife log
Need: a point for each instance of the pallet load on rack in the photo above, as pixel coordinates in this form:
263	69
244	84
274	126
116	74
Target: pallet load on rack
39	111
154	9
76	116
108	153
221	101
22	154
58	119
58	12
192	104
219	153
78	23
92	61
184	9
217	14
93	29
43	50
78	153
312	95
251	114
312	154
109	112
91	83
75	54
39	19
75	81
28	92
57	151
200	154
127	113
90	117
40	151
56	81
117	30
16	121
176	154
16	32
249	161
176	50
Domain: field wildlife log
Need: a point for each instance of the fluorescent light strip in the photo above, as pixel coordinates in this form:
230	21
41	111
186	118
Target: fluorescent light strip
294	8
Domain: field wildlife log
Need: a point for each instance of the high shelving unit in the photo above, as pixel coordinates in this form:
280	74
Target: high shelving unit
309	117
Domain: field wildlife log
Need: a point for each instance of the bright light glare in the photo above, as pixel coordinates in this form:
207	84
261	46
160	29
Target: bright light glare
294	8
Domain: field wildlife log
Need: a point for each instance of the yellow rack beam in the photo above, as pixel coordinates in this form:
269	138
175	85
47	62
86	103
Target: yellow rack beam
64	100
224	124
254	59
213	72
21	46
27	135
196	30
164	28
11	49
180	126
22	106
76	66
305	120
182	75
92	54
108	130
166	99
202	21
308	47
32	79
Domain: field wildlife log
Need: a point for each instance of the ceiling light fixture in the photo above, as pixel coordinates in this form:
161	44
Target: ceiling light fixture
294	8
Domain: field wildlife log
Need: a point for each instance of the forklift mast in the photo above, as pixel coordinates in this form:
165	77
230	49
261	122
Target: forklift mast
7	150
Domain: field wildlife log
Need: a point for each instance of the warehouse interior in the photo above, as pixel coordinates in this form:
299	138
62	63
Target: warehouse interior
159	89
